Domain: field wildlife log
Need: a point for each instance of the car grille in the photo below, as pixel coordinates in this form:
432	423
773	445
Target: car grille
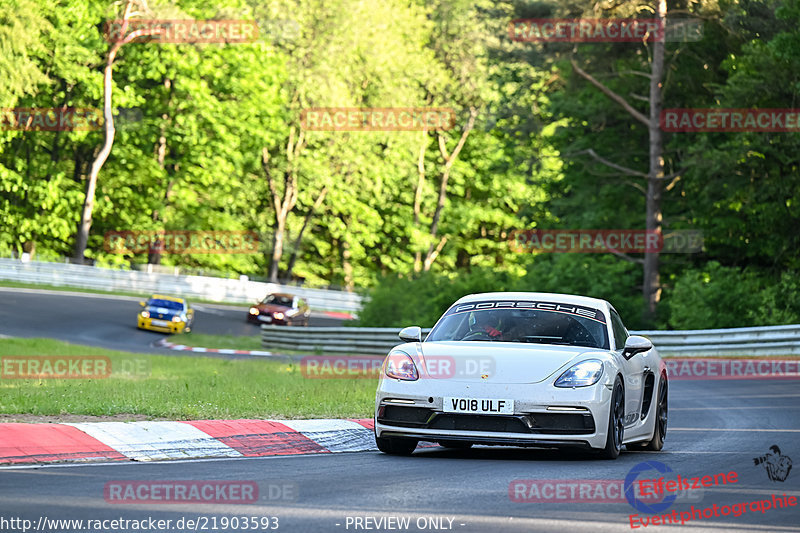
563	423
408	417
507	424
534	423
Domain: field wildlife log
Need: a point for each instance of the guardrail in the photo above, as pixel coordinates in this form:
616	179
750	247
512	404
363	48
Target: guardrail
758	341
198	287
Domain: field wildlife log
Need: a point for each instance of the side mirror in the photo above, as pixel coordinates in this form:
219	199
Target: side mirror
142	304
411	334
635	344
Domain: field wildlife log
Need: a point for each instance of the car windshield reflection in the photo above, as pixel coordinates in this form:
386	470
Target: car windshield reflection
278	300
521	326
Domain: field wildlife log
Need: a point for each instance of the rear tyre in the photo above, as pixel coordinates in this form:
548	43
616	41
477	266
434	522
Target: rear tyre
616	423
396	446
455	444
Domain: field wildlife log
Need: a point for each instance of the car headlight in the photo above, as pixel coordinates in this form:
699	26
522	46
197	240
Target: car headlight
278	316
176	318
400	366
583	374
145	314
253	310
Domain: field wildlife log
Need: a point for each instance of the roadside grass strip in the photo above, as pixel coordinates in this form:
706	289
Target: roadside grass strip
177	387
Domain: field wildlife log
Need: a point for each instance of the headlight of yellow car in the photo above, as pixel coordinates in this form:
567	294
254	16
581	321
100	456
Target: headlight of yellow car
145	314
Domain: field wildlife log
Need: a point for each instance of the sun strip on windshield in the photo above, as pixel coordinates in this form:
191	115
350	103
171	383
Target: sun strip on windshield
555	307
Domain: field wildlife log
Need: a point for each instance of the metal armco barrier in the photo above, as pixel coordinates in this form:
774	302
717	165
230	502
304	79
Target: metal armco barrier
758	341
373	341
200	287
755	341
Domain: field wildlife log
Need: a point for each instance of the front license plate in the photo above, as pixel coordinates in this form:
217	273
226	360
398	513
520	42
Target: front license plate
159	323
482	406
264	318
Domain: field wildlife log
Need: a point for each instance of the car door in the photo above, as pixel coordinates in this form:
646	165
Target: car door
634	370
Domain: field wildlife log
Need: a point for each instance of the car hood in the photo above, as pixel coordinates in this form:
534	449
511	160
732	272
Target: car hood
498	362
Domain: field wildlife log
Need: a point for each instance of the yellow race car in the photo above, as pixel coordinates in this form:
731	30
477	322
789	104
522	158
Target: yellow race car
167	314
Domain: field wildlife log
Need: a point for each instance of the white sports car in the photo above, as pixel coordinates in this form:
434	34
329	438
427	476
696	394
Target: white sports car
523	369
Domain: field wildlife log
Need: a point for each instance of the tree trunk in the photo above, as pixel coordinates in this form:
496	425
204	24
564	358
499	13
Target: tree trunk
651	290
283	202
449	159
85	224
306	220
277	248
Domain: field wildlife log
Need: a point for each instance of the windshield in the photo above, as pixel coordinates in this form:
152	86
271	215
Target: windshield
167	304
278	300
528	322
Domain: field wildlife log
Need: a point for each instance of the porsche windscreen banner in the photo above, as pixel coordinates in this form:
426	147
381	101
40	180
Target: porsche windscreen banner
570	309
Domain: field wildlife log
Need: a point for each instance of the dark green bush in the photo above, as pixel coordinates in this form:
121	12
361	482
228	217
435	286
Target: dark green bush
717	296
421	299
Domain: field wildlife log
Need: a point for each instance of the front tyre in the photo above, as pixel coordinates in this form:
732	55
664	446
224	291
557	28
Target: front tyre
662	409
395	445
616	423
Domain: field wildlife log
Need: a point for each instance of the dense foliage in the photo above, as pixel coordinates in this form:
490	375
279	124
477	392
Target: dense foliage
209	137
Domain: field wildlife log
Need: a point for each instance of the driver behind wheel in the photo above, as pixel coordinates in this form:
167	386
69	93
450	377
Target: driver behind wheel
487	322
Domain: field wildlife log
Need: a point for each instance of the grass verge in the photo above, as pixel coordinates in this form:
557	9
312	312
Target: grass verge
181	388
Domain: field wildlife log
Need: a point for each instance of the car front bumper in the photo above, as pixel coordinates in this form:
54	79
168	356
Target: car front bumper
543	415
170	327
274	322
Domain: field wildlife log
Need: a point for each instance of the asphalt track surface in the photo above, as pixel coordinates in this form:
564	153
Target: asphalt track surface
109	322
715	427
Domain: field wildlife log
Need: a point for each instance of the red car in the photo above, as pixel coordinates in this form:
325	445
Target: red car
280	309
